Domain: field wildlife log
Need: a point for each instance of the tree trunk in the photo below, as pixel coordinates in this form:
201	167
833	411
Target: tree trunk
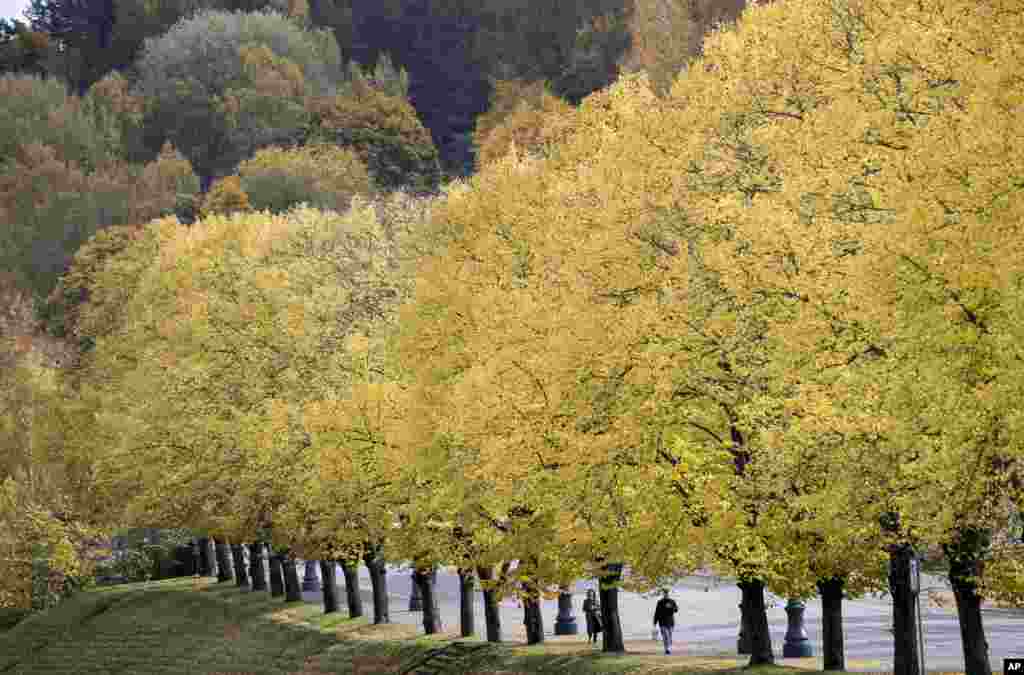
276	575
379	584
492	618
205	559
612	635
224	567
757	622
467	620
904	611
833	653
965	567
329	586
352	594
532	618
292	589
310	583
415	599
425	579
256	569
241	573
534	621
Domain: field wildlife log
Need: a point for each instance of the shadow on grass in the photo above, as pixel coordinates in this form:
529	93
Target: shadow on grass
197	626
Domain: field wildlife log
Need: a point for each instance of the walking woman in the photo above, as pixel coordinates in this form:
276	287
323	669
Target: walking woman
593	612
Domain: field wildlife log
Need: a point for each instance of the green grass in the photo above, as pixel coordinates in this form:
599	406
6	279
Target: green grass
181	626
9	617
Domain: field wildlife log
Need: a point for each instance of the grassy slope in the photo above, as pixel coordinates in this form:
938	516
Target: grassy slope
185	626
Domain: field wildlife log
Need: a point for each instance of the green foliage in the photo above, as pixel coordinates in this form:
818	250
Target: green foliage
386	134
51	207
383	77
118	112
34	110
142	558
22	50
323	176
593	61
51	586
219	85
523	39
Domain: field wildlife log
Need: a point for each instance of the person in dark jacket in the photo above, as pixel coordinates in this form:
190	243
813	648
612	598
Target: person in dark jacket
592	610
664	618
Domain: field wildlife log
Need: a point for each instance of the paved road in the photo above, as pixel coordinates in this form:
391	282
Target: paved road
708	620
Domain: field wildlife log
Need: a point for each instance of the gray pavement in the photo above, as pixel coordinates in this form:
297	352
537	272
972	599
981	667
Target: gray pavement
708	620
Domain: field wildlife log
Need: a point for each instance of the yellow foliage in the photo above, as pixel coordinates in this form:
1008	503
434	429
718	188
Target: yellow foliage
225	196
530	127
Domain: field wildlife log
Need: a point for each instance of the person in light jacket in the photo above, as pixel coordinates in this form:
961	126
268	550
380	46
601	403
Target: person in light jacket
592	610
664	618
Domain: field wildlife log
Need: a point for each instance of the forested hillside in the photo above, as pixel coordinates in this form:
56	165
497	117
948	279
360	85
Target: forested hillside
538	290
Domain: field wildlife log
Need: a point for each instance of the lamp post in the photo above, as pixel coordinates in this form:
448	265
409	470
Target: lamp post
796	646
565	622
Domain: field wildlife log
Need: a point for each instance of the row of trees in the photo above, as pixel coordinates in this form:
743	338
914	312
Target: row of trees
765	324
83	168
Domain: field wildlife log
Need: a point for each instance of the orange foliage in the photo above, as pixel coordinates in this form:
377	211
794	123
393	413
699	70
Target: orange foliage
226	196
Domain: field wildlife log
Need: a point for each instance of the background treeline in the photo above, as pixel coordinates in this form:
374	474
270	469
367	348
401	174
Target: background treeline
452	50
142	75
760	316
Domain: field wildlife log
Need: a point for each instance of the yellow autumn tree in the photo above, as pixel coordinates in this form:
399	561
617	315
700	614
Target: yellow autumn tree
888	242
531	332
47	519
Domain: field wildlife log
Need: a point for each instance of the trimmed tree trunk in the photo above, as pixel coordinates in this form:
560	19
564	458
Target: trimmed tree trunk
533	620
833	652
276	575
757	622
256	568
241	573
425	579
612	634
467	620
379	583
965	567
352	594
904	611
415	599
492	618
205	559
292	589
224	566
329	586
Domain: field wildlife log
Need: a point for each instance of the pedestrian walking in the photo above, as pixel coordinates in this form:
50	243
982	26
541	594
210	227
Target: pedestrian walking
592	610
664	618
